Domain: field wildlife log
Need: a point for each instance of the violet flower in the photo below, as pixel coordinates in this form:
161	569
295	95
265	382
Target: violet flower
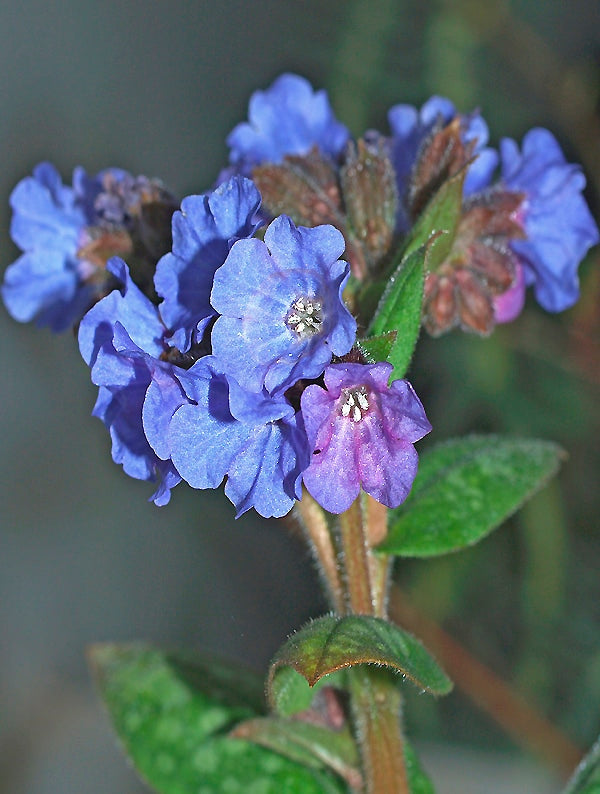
203	232
361	432
124	341
67	234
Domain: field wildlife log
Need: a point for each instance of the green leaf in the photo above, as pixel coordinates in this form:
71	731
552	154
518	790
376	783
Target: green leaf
377	348
295	694
464	489
172	713
400	310
430	242
308	743
313	745
417	779
439	218
333	643
586	778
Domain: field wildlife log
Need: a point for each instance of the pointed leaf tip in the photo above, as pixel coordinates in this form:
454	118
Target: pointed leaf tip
464	489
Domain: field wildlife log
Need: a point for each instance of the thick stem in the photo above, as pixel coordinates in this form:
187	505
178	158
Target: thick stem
375	698
355	559
357	583
380	564
376	707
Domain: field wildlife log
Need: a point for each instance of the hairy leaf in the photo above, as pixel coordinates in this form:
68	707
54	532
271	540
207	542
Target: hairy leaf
464	489
399	310
295	694
333	643
440	217
377	348
430	242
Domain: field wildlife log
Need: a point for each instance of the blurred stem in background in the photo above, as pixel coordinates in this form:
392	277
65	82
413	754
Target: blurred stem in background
492	695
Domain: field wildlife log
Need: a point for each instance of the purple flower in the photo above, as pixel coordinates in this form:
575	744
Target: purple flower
67	235
287	118
558	225
361	432
509	305
203	232
411	127
280	301
123	339
123	197
255	440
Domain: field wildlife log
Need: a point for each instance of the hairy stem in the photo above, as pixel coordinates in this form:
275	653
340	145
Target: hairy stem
356	560
314	525
380	564
376	707
375	698
357	582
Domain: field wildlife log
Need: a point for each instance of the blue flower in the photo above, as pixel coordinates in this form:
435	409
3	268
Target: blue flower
67	235
288	118
203	232
123	340
120	409
410	128
361	432
48	282
280	301
558	225
255	440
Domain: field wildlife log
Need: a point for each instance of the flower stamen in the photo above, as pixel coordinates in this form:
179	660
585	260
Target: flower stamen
356	403
305	317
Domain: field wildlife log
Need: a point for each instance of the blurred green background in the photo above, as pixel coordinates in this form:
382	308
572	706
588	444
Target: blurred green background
154	88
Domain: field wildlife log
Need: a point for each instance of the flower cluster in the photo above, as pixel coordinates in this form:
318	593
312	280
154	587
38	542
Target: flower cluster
205	386
220	334
526	225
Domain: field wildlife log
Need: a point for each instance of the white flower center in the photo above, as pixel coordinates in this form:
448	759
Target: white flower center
305	317
356	403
